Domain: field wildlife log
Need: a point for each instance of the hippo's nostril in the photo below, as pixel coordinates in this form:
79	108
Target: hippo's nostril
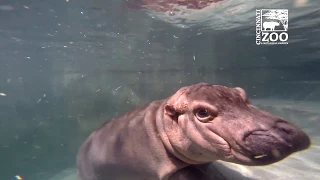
284	126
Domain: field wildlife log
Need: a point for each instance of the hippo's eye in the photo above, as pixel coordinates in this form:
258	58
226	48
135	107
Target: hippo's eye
205	114
202	113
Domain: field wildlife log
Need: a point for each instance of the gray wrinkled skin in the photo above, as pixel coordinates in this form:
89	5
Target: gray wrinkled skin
176	138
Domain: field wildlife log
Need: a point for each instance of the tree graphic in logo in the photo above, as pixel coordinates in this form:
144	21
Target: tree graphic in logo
277	15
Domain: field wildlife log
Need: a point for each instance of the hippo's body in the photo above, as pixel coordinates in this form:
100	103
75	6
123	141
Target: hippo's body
168	139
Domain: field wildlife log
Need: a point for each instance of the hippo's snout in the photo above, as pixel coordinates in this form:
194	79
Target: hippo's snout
267	146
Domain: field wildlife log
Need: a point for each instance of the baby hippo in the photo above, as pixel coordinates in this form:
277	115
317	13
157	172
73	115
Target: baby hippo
171	139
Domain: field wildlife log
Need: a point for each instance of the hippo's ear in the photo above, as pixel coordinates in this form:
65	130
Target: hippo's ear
242	93
169	110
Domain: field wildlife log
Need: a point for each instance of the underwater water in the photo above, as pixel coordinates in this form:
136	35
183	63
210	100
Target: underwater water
68	66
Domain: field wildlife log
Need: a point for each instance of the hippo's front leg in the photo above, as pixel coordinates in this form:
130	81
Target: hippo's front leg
198	172
189	173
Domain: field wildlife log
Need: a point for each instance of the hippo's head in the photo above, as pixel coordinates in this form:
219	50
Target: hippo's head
204	122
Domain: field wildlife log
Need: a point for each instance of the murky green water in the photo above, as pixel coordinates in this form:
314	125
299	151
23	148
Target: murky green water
68	66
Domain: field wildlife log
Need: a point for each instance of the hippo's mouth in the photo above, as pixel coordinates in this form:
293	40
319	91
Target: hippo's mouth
265	147
255	158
